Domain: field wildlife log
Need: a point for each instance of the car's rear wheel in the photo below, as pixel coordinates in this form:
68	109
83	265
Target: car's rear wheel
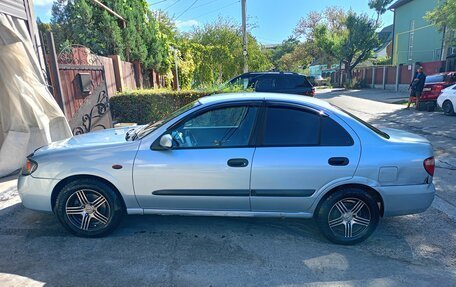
348	216
448	108
88	208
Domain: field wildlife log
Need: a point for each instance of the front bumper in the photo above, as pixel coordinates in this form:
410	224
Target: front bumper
407	199
35	193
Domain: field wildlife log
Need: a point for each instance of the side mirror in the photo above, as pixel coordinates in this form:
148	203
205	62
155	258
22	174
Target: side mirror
166	141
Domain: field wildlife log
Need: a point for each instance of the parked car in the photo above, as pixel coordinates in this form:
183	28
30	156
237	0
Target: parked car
433	86
447	100
253	154
275	82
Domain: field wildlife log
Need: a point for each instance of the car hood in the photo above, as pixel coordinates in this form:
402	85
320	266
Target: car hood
100	138
401	136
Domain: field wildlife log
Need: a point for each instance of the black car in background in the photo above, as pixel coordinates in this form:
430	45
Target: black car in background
275	82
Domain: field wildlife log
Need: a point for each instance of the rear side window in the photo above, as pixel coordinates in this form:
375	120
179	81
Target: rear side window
332	134
291	127
287	126
265	83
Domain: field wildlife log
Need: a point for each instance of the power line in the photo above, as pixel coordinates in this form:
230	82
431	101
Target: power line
189	7
217	10
204	4
158	2
175	2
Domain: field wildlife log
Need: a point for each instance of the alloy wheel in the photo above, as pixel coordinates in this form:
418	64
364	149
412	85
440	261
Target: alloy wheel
88	210
349	217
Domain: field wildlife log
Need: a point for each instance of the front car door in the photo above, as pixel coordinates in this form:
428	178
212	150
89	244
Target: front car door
208	167
300	151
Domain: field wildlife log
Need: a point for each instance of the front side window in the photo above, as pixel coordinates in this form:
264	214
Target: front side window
240	82
222	127
147	129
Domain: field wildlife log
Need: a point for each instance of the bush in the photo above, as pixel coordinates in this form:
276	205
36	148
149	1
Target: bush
144	106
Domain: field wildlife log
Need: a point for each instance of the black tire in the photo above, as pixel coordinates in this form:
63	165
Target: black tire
431	107
448	108
420	107
89	208
350	227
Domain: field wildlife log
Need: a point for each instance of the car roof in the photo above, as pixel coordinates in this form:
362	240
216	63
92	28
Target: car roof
256	96
272	73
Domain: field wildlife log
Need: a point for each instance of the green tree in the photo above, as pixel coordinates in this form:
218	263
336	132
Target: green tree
380	7
444	17
351	45
218	56
313	27
82	22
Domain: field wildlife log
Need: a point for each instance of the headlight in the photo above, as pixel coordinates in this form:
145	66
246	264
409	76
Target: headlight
29	167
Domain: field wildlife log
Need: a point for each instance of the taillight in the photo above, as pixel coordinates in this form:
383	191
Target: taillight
29	167
438	88
429	165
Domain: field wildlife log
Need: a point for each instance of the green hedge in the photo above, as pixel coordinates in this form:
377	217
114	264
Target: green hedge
145	106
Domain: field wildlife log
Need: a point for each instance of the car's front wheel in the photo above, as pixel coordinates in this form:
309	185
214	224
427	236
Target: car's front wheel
88	208
348	216
448	108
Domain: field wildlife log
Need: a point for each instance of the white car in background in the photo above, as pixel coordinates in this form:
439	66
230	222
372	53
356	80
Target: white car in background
447	100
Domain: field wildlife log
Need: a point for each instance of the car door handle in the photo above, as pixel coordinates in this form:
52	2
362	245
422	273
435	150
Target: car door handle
338	161
238	162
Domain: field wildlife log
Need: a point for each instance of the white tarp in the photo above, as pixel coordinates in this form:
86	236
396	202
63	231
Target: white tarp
29	115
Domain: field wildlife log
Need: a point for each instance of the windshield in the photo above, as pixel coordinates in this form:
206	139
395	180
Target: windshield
147	129
366	124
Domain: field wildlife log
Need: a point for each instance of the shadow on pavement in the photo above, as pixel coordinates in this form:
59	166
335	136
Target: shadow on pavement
213	251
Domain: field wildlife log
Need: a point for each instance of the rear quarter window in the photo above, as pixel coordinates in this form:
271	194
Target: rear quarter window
333	134
301	82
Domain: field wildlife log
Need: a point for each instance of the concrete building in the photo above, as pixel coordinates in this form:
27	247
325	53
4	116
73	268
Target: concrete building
415	39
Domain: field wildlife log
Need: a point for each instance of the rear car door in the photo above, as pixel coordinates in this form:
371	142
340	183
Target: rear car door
300	151
208	167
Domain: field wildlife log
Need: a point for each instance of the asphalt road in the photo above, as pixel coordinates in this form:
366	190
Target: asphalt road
414	250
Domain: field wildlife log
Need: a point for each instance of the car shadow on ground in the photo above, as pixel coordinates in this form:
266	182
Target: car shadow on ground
215	251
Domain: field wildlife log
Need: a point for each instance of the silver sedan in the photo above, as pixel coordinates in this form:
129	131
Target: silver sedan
265	155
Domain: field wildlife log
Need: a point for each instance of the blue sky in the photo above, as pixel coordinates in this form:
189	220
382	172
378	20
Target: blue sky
273	20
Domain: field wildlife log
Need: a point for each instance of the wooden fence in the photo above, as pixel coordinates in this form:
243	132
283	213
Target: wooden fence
389	77
118	75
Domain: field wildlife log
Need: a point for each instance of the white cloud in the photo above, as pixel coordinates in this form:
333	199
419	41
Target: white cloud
186	24
43	3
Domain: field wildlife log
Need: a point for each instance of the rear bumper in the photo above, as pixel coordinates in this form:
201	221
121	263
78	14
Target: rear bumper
407	199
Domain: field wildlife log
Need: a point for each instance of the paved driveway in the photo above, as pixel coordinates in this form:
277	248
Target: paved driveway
414	250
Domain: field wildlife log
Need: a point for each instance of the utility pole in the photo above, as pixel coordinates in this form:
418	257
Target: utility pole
175	67
244	38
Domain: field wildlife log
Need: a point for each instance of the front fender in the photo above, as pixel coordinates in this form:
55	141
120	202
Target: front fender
121	180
